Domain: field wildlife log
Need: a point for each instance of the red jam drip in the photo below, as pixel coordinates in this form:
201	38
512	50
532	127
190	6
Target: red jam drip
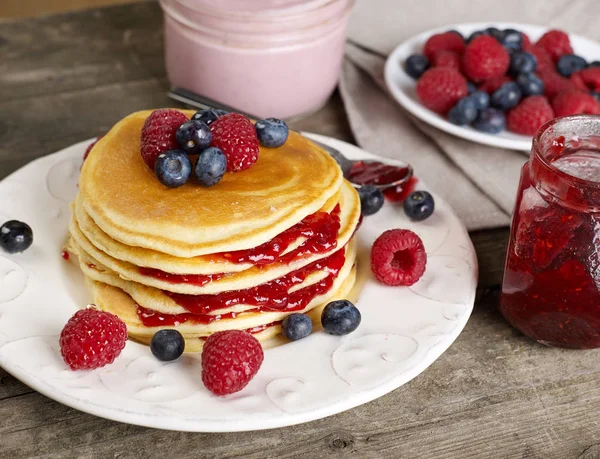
270	296
320	229
194	279
65	255
376	173
399	193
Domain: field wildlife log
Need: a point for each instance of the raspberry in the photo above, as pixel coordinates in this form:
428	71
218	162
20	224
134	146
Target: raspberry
92	339
555	83
398	257
575	102
493	84
526	46
448	41
235	135
230	359
556	43
587	79
158	133
440	88
543	58
448	59
529	115
485	58
90	146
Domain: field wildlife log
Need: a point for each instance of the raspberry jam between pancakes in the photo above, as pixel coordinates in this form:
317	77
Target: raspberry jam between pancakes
551	287
270	296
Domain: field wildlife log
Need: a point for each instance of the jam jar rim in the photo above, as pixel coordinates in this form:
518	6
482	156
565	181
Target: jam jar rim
538	151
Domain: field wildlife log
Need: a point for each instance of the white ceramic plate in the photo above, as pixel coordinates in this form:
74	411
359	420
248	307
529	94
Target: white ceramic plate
402	332
403	86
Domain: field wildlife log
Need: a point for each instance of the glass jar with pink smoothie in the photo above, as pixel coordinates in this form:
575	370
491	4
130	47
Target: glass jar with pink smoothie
551	288
278	58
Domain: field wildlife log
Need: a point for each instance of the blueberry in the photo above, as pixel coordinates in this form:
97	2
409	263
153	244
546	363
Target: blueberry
340	317
521	62
207	116
507	96
220	112
595	64
193	136
371	199
296	326
495	32
167	345
490	120
530	84
271	132
476	34
471	88
464	112
415	65
173	168
456	32
481	99
570	63
419	205
211	166
15	236
596	95
512	39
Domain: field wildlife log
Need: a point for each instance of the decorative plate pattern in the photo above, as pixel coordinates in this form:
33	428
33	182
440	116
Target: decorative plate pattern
402	332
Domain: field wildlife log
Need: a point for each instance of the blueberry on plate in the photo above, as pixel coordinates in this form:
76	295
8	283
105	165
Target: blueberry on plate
210	166
207	115
271	132
15	236
340	317
512	40
419	205
457	33
595	64
220	112
495	32
415	65
296	326
490	120
471	88
371	199
507	96
530	84
596	95
193	136
173	168
464	112
481	99
167	345
570	63
476	34
522	62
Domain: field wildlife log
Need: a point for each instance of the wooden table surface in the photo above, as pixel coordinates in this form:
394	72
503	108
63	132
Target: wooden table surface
494	393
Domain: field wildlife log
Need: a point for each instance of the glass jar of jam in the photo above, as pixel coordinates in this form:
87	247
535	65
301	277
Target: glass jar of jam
265	57
551	287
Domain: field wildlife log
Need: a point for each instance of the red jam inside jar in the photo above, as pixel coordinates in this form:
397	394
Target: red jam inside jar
551	287
270	296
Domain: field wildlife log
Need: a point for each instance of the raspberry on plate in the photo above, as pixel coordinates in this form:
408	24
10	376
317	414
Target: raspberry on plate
440	88
555	83
158	133
448	41
92	339
526	46
529	115
575	102
543	58
230	359
556	43
398	257
587	79
235	135
445	58
485	58
493	84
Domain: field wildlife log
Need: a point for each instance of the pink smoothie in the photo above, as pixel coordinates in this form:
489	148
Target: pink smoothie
278	58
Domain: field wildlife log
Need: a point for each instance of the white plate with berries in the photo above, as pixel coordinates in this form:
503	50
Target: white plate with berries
402	330
495	83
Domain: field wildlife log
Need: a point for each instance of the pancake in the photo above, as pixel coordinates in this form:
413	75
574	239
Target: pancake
142	257
349	215
124	198
158	300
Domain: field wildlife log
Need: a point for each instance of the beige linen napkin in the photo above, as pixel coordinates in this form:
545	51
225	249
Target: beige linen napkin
479	182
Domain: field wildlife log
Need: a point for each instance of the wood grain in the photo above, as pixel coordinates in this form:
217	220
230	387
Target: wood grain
493	394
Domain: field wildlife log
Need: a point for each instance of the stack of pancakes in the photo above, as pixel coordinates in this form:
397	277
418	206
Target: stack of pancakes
244	254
